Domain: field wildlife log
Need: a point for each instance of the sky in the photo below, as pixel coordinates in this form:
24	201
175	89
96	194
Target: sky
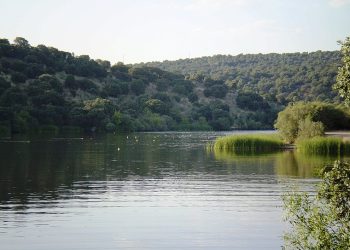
133	31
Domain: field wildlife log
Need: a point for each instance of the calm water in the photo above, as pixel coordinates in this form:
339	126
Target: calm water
143	191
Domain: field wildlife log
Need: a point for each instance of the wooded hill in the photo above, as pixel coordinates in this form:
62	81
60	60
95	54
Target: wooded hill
43	88
280	78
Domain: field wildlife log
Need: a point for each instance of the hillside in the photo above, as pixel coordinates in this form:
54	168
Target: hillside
43	88
280	78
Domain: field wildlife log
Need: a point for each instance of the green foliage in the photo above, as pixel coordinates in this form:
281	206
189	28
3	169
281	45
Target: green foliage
324	146
96	114
242	144
87	86
288	77
137	87
309	129
53	87
343	78
70	82
116	88
18	77
21	42
122	122
251	101
4	85
293	118
193	97
218	91
183	87
321	222
157	106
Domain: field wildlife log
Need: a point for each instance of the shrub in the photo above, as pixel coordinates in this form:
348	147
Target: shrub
309	129
291	118
248	143
321	221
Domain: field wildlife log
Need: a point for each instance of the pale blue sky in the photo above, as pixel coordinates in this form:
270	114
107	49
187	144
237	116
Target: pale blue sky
149	30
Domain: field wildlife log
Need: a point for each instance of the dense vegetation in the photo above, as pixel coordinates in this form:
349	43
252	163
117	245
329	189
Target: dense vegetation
321	222
43	88
265	83
324	146
248	144
278	78
343	76
305	120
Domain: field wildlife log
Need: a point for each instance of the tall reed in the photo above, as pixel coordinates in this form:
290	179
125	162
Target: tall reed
241	144
324	146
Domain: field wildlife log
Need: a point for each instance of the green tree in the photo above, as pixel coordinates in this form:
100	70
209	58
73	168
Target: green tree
21	42
309	129
291	120
343	78
157	106
322	222
70	82
138	87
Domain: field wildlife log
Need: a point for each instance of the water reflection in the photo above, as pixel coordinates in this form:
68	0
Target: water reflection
137	188
286	163
42	167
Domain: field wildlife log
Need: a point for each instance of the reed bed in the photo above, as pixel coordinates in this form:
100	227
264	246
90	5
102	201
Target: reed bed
242	144
324	146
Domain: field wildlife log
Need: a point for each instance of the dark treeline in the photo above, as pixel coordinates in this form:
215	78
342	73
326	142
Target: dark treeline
43	88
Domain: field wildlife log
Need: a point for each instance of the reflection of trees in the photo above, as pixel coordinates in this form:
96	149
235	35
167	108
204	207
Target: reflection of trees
322	222
47	169
286	163
245	164
292	163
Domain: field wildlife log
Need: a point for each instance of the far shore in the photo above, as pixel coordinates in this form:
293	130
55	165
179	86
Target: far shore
343	134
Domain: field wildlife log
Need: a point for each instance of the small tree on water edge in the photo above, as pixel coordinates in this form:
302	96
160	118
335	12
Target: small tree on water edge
323	221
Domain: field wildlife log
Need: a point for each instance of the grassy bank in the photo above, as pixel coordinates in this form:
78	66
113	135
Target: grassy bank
248	143
324	146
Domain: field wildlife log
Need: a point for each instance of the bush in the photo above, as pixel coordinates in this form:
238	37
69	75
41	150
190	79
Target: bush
309	129
321	221
291	118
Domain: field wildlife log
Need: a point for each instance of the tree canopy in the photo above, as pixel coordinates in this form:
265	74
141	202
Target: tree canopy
343	78
41	86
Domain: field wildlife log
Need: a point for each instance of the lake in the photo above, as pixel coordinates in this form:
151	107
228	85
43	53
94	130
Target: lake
144	191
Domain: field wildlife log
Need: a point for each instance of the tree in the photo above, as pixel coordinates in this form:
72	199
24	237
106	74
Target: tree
291	120
138	87
21	42
343	78
157	106
309	129
322	222
218	91
251	101
70	82
4	85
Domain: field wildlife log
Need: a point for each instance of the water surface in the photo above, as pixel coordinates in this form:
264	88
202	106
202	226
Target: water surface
143	191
